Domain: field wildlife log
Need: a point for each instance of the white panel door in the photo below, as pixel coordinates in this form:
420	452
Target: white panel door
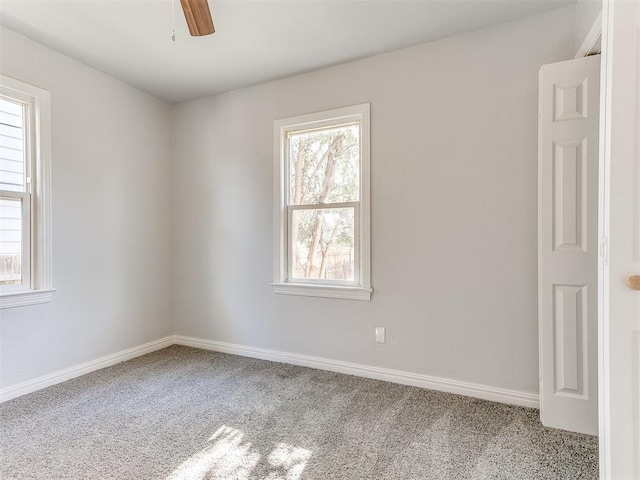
620	322
568	243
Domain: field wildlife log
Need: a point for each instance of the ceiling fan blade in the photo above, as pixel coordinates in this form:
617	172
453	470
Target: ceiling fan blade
198	17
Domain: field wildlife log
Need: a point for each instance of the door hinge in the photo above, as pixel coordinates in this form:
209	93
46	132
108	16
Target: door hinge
604	250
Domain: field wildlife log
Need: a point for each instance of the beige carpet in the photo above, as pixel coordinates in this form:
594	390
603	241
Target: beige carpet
182	413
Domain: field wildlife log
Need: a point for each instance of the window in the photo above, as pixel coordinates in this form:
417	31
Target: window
25	239
322	245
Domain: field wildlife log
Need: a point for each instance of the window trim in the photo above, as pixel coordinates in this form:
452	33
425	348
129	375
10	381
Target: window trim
360	289
39	145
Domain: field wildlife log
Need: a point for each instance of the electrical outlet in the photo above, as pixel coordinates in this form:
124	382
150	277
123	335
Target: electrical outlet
380	335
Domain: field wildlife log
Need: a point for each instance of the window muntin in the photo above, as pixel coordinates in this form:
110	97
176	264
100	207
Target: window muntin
322	204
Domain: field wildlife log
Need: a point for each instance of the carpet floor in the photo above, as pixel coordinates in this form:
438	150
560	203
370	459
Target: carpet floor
183	413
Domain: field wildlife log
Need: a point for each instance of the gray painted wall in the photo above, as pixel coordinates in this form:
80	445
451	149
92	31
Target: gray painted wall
586	13
454	209
112	230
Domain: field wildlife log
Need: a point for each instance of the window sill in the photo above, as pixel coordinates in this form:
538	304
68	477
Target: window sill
327	291
21	299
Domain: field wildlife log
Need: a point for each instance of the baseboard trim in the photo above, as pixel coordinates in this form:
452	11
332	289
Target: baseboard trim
484	392
88	367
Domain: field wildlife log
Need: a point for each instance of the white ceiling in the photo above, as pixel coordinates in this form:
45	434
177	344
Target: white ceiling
255	41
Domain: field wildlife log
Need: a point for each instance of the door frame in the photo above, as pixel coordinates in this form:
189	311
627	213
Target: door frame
604	206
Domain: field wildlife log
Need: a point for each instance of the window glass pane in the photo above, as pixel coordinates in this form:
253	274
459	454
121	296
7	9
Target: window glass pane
322	244
325	166
12	151
10	241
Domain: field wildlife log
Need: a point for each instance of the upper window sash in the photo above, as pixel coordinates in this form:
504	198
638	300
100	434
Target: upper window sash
326	129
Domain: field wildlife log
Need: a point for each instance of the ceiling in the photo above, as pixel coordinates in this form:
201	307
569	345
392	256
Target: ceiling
255	41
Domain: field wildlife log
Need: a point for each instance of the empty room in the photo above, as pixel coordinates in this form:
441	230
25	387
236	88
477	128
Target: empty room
319	239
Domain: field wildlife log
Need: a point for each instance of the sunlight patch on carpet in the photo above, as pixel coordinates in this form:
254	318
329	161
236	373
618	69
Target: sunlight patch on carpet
229	457
288	461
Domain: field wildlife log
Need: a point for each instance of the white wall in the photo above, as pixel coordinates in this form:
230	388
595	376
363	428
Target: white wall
587	12
112	228
454	208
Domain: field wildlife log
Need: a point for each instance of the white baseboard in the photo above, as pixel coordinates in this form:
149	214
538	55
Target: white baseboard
88	367
484	392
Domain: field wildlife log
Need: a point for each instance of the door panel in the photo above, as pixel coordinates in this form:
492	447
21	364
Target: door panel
569	196
570	341
568	243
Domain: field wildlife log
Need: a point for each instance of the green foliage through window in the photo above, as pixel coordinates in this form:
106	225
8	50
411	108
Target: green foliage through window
324	171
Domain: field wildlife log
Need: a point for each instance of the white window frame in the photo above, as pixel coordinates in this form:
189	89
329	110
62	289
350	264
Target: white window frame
360	288
36	253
